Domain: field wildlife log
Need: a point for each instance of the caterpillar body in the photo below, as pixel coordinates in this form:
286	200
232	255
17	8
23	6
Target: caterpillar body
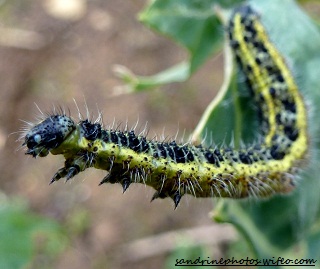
261	169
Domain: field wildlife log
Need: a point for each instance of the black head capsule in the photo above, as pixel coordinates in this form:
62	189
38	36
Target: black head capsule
48	135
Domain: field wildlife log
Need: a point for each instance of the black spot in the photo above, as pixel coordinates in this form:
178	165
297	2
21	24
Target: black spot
144	144
134	142
258	61
105	136
218	154
123	139
271	69
272	92
189	154
180	154
92	131
212	158
251	29
291	133
235	44
249	68
170	152
246	39
244	158
138	144
162	151
154	150
276	153
114	138
280	78
264	49
289	106
258	45
278	118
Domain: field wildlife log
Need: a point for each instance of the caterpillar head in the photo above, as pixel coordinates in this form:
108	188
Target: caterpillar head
48	134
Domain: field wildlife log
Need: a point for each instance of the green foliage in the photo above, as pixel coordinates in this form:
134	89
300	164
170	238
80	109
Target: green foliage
185	251
283	225
28	240
194	24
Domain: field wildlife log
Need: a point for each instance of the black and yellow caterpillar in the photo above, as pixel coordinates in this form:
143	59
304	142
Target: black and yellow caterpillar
261	169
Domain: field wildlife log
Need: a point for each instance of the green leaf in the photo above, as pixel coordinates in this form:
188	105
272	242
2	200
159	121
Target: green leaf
314	242
25	235
276	225
177	73
282	224
229	110
185	251
192	23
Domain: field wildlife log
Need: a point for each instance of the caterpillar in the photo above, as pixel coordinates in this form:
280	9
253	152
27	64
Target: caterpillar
261	169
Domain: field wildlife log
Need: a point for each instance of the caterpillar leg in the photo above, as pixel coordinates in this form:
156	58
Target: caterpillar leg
112	178
68	173
72	167
175	196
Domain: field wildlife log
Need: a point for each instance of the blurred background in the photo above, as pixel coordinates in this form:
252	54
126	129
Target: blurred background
54	51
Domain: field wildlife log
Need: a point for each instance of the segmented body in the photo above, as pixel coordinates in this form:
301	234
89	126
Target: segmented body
262	169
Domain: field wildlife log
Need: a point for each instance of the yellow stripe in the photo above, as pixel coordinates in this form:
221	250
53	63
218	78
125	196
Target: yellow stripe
258	170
